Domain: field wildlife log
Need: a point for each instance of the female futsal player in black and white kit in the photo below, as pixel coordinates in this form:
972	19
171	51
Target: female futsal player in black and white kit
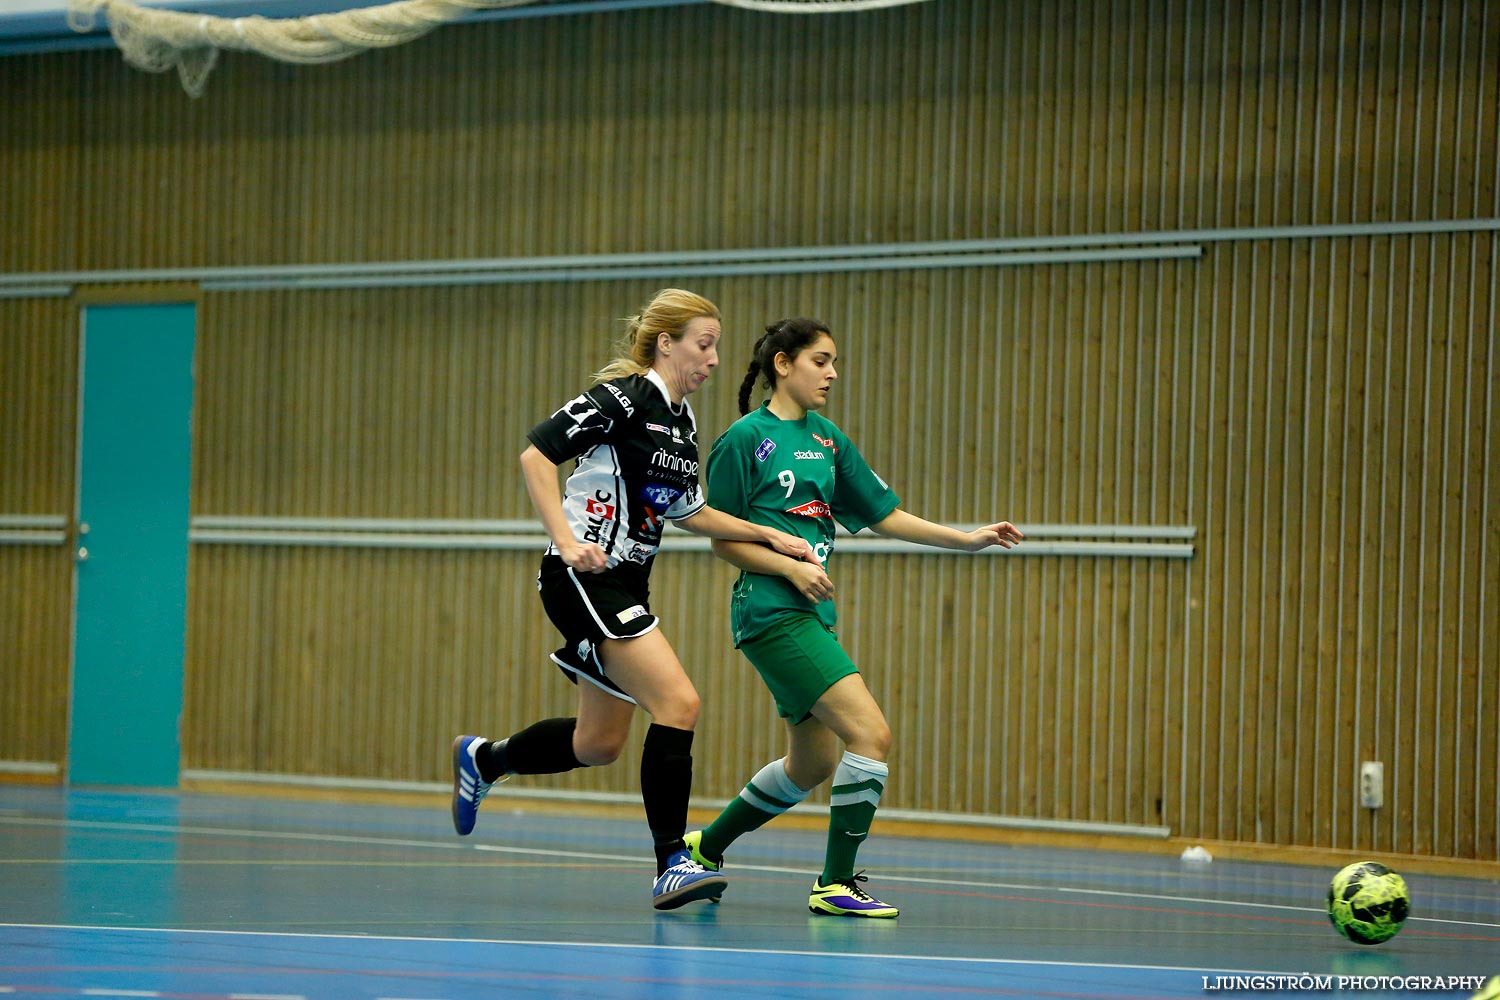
635	441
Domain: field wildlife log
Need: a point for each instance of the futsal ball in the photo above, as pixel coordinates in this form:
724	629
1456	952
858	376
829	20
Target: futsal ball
1368	902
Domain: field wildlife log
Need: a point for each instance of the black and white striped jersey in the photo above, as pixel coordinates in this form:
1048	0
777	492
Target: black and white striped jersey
637	463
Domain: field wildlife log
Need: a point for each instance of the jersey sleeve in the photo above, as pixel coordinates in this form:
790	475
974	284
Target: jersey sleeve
860	497
690	503
729	474
590	418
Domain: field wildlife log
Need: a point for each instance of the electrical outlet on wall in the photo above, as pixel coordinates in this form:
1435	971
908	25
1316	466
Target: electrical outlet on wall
1372	784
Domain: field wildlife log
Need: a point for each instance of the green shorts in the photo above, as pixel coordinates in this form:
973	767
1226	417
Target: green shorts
799	658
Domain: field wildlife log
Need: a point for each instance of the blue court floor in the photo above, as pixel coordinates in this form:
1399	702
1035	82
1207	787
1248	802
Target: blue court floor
209	897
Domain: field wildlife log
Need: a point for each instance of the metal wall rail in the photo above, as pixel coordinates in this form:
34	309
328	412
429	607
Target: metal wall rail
33	529
753	261
28	291
1139	541
839	265
42	767
1157	541
620	267
630	798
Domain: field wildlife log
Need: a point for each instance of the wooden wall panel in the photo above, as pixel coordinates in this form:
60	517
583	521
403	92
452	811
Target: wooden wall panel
1106	665
1321	408
933	121
38	384
1373	500
42	135
35	624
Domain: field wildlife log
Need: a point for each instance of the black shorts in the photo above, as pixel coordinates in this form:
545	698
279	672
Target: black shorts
588	608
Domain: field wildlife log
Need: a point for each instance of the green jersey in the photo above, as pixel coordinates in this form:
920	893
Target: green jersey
796	475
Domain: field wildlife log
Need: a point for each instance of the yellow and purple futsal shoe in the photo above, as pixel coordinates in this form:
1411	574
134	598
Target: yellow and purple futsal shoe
694	843
846	899
684	881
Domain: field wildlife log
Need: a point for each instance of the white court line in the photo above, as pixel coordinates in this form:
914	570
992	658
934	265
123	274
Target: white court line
1158	896
327	838
266	996
695	949
632	859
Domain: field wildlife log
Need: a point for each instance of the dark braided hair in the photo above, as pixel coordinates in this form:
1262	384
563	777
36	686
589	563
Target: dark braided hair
785	336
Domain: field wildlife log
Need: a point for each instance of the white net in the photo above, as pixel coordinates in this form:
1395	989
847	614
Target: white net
161	40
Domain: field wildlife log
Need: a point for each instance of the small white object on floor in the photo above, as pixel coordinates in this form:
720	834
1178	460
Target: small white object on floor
1198	855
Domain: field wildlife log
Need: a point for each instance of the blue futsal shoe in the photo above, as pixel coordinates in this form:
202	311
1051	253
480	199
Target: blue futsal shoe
469	789
684	881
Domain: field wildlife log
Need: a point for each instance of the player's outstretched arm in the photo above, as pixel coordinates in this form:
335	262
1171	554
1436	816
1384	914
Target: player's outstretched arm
911	528
716	524
810	579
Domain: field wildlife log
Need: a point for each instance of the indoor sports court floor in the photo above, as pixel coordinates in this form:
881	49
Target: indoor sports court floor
206	897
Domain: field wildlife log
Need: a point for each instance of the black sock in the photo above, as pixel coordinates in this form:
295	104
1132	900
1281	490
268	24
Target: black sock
544	747
666	783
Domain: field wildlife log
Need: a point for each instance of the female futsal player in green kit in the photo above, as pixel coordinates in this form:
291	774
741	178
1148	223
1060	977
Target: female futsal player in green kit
786	466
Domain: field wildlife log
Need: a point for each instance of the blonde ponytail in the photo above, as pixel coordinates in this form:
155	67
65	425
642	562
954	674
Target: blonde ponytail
669	311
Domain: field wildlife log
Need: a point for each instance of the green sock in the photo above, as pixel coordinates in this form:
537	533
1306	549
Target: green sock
857	786
769	794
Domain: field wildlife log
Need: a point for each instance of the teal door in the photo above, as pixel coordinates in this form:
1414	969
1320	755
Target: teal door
131	562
